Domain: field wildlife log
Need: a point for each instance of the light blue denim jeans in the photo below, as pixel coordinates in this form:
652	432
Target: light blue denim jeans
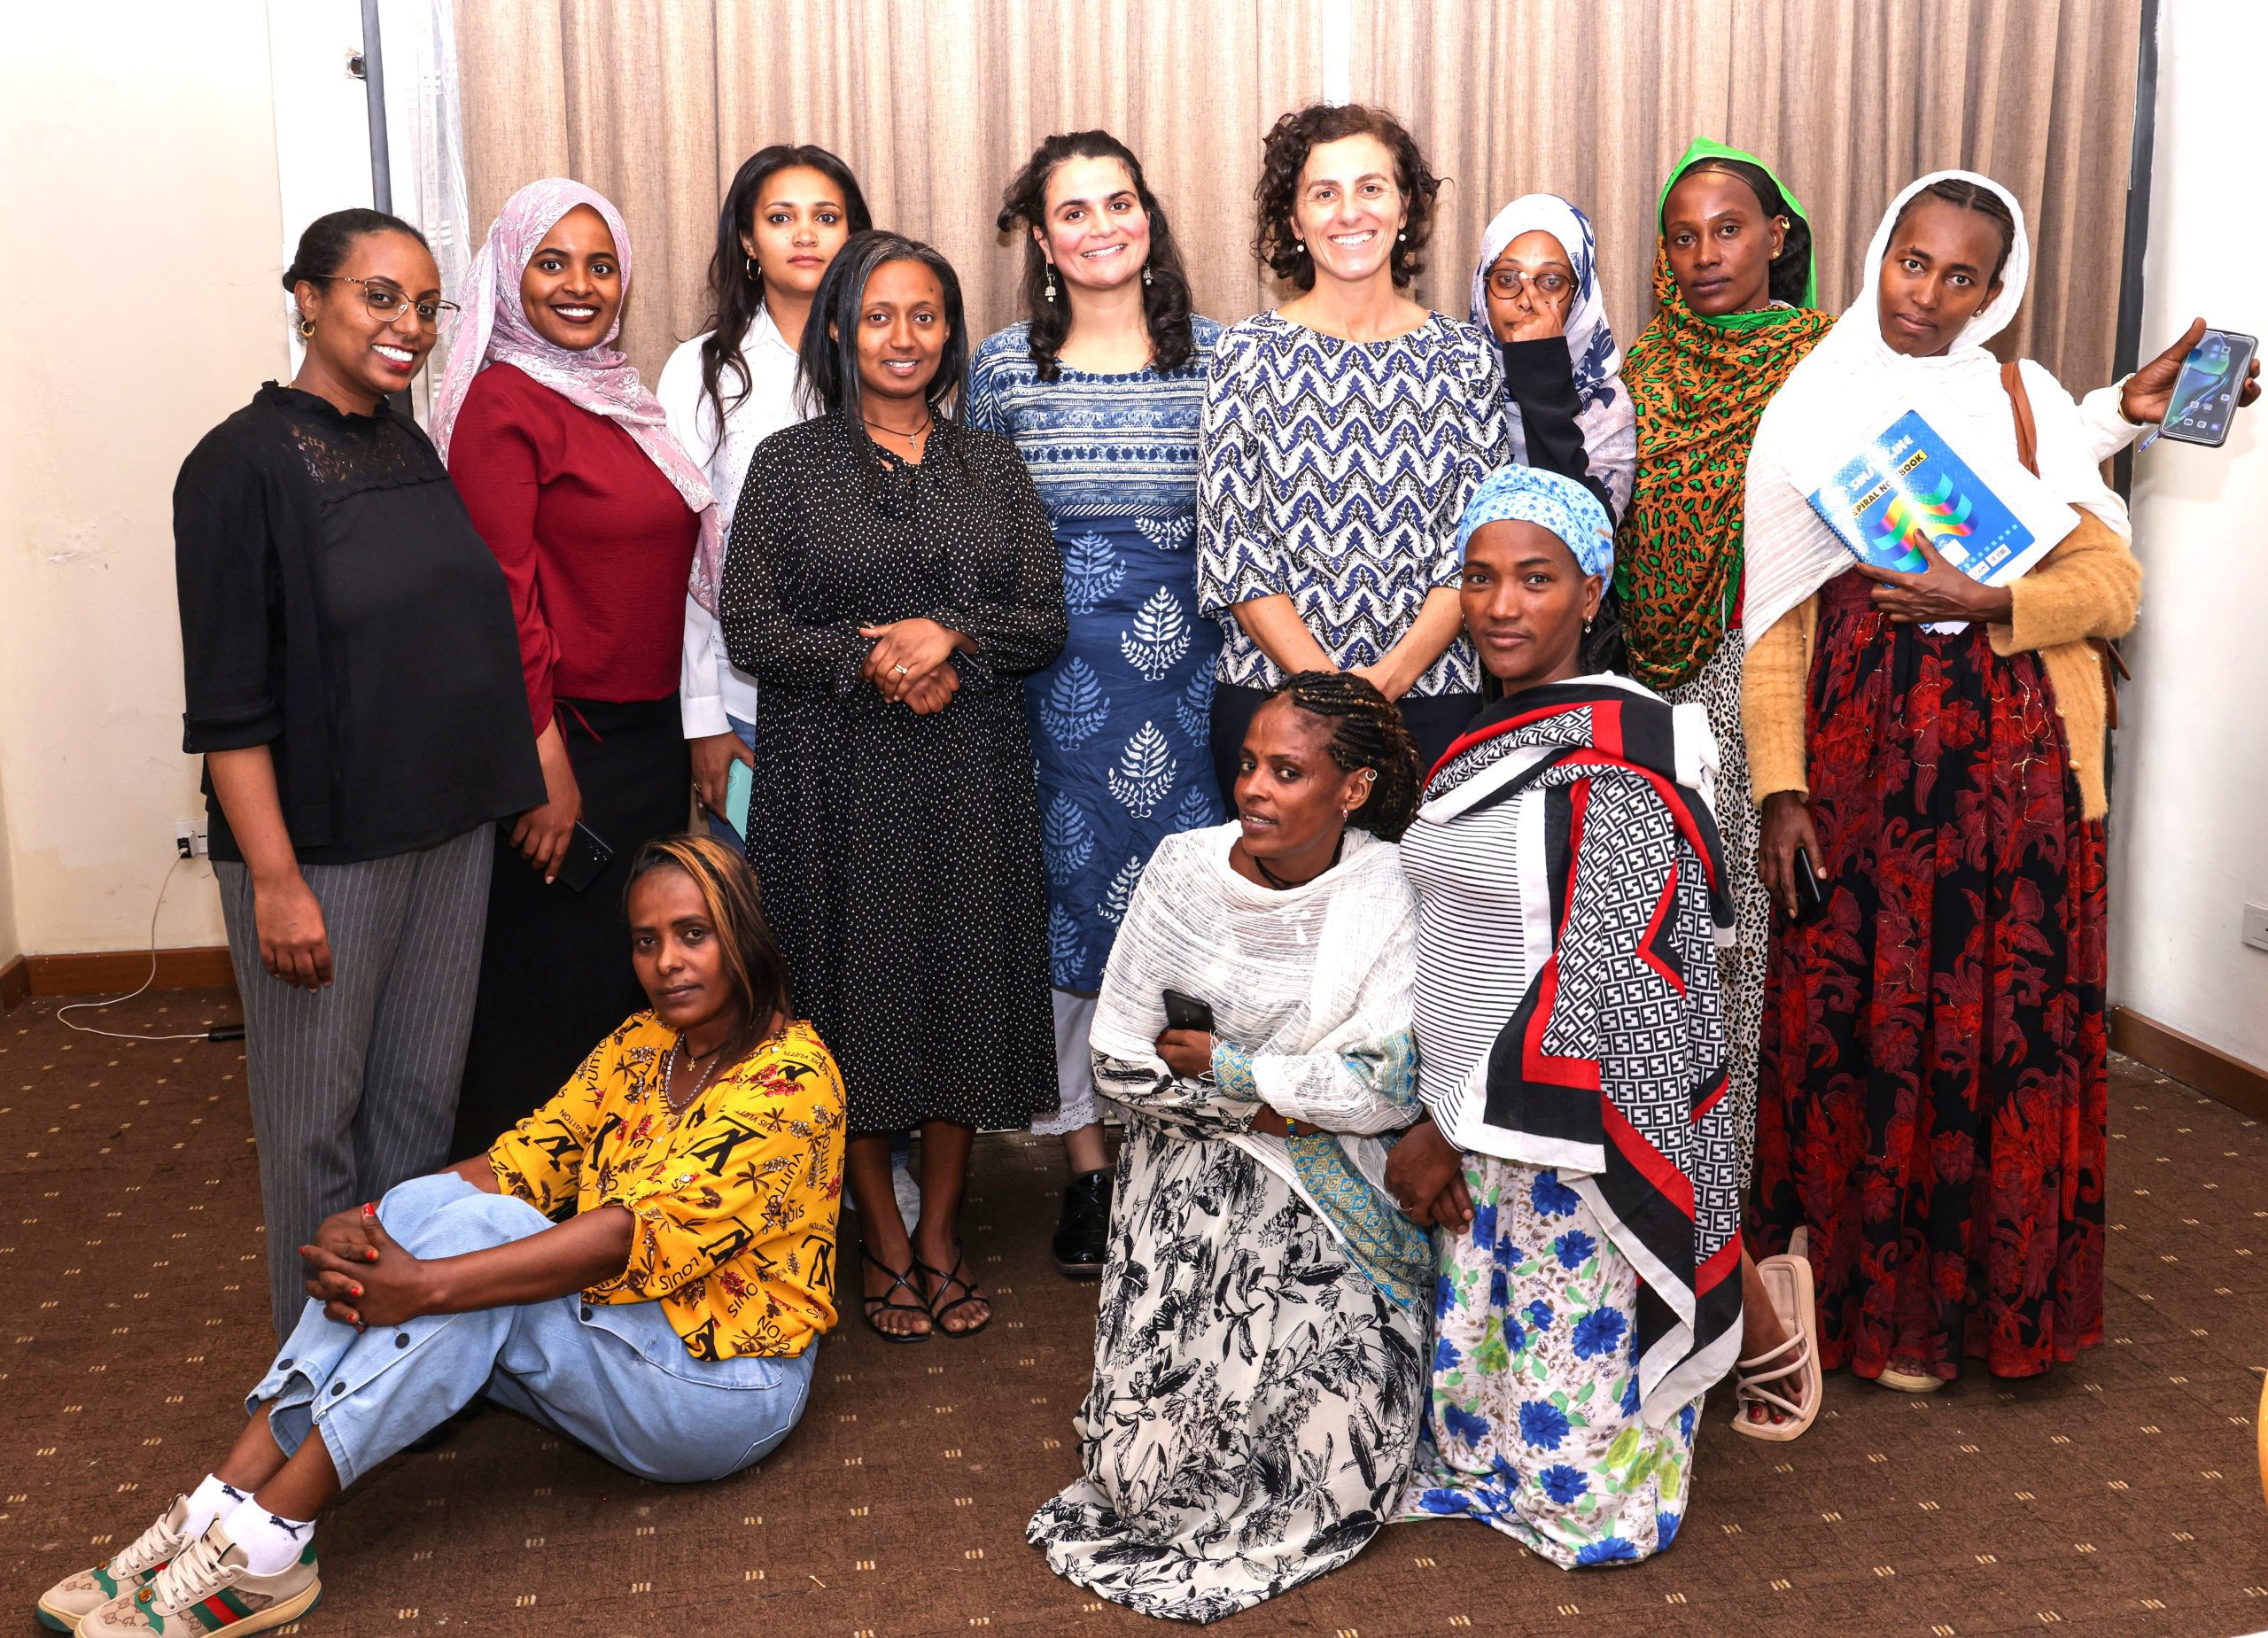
718	826
611	1376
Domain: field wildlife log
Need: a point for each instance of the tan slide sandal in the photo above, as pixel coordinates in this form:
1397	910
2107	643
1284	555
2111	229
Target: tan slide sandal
1763	1381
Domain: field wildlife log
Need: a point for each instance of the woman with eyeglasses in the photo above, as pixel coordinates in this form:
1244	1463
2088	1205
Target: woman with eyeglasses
354	686
598	516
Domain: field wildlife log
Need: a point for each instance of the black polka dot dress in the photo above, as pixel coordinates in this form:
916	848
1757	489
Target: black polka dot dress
899	855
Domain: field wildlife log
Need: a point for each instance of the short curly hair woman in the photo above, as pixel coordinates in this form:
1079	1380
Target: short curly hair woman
1278	243
1309	563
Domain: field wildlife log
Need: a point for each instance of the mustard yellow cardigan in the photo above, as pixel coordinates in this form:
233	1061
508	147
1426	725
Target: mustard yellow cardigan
2090	585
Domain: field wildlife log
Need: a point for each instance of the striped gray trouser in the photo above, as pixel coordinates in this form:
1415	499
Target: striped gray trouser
354	1088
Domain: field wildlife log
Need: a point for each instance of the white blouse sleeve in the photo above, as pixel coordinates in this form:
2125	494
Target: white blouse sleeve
692	422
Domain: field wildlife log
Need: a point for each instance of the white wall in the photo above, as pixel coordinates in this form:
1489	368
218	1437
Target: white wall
2189	821
149	217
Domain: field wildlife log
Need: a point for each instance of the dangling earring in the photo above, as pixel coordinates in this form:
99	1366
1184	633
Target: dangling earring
754	277
1051	281
1145	275
306	329
1586	628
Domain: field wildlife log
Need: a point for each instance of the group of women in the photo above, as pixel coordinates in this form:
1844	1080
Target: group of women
1368	746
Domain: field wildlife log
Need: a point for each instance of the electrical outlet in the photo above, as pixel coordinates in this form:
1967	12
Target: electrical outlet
191	841
2255	926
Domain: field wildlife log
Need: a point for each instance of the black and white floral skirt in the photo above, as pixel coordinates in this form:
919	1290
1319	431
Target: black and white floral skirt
1256	1398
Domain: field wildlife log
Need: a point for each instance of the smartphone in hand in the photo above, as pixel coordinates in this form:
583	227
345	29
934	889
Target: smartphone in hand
588	858
1187	1013
1811	897
2205	394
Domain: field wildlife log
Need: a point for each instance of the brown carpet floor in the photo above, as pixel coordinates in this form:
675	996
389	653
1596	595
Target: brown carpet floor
2119	1495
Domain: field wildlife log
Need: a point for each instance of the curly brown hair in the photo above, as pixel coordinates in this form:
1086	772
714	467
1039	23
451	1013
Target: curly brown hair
1298	134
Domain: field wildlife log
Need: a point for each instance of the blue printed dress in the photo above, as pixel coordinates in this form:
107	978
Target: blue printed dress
1119	722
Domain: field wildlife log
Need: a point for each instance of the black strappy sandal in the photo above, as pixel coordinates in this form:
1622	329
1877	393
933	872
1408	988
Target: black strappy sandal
945	1282
887	1301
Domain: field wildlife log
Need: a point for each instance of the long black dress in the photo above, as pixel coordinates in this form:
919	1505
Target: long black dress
899	855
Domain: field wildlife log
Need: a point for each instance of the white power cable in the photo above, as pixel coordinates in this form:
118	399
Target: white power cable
62	1012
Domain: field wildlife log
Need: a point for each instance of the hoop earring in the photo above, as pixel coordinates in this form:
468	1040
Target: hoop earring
754	277
1051	282
306	329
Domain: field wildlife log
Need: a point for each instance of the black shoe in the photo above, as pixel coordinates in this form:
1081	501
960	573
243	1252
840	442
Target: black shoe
1083	1233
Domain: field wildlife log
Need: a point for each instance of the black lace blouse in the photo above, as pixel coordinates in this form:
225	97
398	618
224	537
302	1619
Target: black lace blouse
337	606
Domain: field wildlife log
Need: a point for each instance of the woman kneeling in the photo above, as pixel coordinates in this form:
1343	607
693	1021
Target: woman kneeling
1578	1150
700	1235
1259	1355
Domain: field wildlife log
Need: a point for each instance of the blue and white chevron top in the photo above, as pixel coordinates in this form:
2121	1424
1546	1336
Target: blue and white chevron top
1334	472
1115	445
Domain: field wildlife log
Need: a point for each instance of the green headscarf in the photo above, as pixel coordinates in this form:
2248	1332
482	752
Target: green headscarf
1699	385
1704	149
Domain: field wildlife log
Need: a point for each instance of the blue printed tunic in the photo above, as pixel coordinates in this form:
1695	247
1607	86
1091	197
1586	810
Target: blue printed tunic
1119	722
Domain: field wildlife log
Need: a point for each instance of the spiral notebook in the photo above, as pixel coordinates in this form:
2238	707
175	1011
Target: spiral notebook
1908	482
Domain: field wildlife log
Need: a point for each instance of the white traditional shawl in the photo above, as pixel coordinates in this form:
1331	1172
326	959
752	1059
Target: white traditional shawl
1310	990
1824	408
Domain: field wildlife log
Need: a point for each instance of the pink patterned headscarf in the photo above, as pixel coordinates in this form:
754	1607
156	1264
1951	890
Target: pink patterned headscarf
597	378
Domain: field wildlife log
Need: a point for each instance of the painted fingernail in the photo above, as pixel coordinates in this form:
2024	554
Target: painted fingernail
357	1290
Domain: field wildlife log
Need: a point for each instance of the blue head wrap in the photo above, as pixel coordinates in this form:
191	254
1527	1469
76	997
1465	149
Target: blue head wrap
1529	495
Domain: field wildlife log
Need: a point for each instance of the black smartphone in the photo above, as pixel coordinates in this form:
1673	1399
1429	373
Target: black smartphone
1811	897
2205	394
588	858
1187	1013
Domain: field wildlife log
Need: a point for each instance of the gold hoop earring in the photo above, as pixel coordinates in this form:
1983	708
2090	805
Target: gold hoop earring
306	329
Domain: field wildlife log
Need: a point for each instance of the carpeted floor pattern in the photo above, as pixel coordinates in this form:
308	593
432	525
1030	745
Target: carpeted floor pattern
2119	1495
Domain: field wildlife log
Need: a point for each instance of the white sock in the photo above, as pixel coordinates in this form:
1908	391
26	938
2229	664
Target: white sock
271	1545
206	1502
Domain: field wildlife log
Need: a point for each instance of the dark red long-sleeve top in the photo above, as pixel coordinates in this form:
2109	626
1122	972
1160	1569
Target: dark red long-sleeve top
596	543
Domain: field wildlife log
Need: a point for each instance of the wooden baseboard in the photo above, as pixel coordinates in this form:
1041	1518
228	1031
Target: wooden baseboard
2241	1085
15	983
112	971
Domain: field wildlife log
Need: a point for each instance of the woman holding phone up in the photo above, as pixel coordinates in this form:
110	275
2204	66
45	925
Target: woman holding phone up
1933	1086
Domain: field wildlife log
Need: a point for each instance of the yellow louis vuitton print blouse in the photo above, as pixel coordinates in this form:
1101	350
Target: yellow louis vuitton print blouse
735	1199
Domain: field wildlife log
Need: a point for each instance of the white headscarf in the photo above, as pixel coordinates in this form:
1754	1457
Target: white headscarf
1604	413
1831	399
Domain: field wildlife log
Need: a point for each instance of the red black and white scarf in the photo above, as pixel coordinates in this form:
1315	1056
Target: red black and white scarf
1611	1069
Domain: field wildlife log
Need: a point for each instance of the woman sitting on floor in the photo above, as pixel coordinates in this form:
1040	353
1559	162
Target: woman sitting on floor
1578	1150
1259	1355
698	1228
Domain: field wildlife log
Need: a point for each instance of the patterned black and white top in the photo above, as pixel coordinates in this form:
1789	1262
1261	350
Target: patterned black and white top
1334	472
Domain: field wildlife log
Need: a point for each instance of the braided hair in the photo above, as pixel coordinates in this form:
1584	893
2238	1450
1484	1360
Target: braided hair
1969	196
1366	732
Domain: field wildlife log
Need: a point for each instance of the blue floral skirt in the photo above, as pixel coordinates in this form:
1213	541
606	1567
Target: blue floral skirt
1533	1424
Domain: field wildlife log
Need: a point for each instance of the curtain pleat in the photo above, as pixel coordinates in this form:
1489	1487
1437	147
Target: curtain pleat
1849	99
934	105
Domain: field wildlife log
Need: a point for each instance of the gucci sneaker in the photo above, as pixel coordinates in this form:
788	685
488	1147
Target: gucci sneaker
66	1604
207	1587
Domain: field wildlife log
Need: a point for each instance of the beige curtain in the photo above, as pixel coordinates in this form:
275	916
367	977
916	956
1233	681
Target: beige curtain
1847	99
934	103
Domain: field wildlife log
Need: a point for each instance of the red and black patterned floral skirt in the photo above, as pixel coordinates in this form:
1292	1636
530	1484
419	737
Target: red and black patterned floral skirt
1933	1093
